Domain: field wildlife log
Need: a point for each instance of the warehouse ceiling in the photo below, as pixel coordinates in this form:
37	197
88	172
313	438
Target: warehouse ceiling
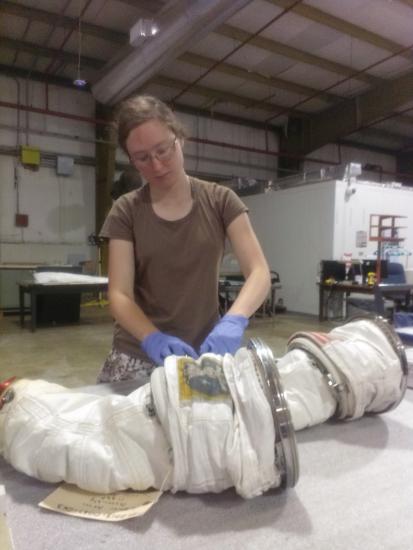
320	71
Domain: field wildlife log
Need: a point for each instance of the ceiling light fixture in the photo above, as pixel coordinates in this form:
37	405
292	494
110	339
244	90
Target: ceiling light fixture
143	28
79	82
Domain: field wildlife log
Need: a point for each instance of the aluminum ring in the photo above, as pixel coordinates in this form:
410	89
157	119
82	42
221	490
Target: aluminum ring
286	452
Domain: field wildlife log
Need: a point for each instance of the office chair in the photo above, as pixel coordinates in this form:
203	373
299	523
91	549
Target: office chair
395	275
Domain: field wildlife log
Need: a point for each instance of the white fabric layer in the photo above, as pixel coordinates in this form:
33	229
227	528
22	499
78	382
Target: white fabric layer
254	431
101	444
309	398
358	354
218	443
368	361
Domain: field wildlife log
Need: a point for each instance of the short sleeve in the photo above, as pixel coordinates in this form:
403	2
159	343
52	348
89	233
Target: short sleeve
119	221
229	204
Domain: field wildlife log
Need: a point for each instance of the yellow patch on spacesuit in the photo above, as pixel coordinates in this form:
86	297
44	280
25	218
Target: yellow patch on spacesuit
202	379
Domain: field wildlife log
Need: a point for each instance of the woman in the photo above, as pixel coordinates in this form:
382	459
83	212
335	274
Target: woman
166	245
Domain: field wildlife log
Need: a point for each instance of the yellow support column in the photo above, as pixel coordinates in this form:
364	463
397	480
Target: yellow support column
105	172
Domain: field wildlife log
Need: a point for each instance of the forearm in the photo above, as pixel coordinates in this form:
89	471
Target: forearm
129	315
253	293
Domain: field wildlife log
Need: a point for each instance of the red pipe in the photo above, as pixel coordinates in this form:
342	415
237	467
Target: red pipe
196	140
58	114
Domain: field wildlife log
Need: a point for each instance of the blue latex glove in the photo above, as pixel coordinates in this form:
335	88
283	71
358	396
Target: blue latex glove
159	345
226	336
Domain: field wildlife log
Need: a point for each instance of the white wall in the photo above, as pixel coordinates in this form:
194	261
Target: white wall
295	228
61	210
213	159
61	214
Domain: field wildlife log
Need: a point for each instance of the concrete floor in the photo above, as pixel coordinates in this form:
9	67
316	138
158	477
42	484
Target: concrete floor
72	355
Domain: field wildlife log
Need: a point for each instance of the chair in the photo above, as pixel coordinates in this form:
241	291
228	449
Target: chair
403	325
229	288
395	275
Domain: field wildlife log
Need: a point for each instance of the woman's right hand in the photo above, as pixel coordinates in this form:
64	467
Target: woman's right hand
158	346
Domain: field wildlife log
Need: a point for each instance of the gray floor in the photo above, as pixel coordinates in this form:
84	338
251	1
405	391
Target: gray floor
71	355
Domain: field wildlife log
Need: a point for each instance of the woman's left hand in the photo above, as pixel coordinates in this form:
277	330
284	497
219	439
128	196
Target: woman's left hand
226	336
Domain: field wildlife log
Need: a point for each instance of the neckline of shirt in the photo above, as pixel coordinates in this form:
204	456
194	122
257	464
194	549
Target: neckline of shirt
194	196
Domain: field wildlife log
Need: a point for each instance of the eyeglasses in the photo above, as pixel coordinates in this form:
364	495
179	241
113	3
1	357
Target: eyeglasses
162	153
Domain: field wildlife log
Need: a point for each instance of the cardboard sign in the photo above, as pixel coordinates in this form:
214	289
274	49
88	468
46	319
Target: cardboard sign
70	500
6	542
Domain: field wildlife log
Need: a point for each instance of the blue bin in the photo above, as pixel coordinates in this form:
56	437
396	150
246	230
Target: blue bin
403	325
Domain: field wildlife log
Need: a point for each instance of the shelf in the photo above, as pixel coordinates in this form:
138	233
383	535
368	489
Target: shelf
379	223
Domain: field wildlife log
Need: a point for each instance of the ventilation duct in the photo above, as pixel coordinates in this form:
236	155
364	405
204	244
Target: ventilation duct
179	28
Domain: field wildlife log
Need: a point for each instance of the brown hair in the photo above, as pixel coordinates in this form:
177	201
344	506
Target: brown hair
139	109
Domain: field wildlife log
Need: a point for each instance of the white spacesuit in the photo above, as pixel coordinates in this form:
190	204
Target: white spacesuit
204	425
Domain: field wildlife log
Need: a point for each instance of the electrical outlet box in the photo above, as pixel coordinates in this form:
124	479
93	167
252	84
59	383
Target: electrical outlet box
21	220
64	166
30	156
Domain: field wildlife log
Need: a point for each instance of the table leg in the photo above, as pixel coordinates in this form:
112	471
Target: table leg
346	297
321	304
379	301
21	306
33	309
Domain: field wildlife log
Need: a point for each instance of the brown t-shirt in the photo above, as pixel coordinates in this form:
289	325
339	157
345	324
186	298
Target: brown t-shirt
176	262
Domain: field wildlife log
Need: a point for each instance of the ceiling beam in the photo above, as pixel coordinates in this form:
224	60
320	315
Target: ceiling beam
252	76
233	119
323	18
219	96
43	51
355	114
56	20
405	119
150	6
301	56
367	147
382	133
407	147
